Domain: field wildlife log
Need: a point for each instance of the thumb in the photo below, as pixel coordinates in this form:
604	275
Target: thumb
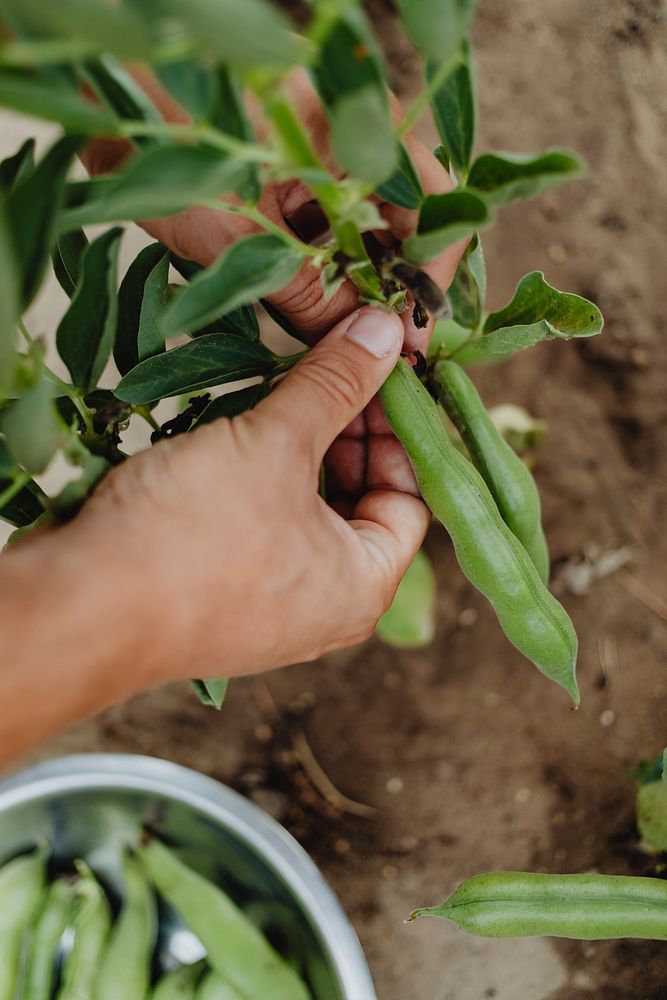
335	381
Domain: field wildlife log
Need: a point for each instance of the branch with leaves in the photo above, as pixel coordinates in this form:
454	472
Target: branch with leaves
171	341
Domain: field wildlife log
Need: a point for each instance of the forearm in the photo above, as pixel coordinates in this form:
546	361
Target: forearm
74	634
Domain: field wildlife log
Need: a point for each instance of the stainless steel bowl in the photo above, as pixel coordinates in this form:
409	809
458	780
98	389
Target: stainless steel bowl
91	805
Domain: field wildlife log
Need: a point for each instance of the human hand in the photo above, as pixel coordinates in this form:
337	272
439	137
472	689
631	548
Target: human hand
245	565
201	234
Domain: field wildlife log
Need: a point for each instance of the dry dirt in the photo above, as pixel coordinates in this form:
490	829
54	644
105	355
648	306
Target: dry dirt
474	761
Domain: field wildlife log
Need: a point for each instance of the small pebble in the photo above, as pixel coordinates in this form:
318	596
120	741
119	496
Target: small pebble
342	845
263	733
522	794
272	801
394	786
607	718
467	617
557	253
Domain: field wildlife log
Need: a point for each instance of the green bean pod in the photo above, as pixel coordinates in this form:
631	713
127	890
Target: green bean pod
214	987
179	984
236	949
22	890
490	556
508	478
586	907
41	968
125	970
91	922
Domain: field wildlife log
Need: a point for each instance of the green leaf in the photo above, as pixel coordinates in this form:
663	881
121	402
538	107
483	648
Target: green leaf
504	177
66	258
348	59
403	188
454	109
32	210
120	92
141	299
238	32
448	337
8	464
214	359
110	28
232	404
437	26
652	814
86	332
32	428
410	621
537	312
53	100
254	267
9	306
211	692
443	220
241	321
362	135
161	181
16	168
24	507
467	292
191	84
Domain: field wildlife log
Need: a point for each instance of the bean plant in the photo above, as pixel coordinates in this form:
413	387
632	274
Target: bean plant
67	65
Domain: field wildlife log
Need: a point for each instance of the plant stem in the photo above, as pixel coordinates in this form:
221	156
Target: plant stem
250	212
22	478
283	364
144	412
69	390
299	148
249	151
421	103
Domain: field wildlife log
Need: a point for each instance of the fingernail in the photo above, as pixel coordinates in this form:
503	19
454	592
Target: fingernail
378	332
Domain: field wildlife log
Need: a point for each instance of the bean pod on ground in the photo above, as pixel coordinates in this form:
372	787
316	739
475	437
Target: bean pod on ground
585	907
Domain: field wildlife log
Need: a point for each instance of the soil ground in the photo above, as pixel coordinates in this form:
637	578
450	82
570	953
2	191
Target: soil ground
473	760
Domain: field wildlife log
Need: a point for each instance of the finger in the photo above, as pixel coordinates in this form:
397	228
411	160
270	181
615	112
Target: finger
334	382
387	465
391	526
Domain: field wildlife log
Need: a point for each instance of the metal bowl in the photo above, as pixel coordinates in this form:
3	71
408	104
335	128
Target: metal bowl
92	805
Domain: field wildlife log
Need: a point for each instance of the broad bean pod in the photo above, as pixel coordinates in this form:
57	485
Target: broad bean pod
236	949
22	892
179	984
41	967
214	987
490	556
125	970
91	923
508	478
586	907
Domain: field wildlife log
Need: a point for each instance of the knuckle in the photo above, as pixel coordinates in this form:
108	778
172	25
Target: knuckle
334	380
146	481
302	300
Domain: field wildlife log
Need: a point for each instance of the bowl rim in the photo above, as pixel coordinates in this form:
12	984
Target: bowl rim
79	772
